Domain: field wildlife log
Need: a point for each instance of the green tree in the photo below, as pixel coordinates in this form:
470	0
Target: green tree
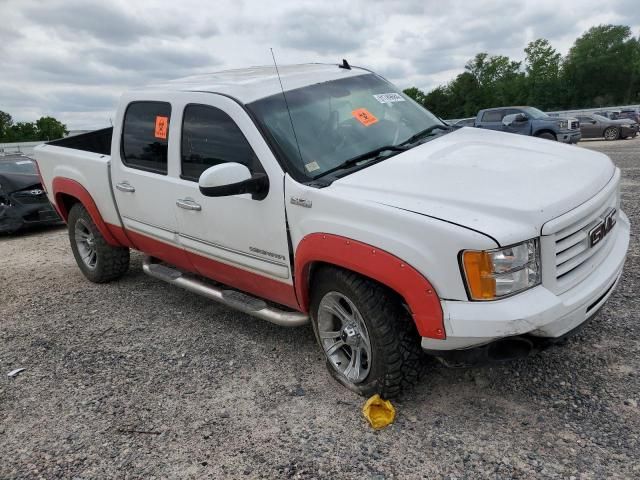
23	132
416	94
603	63
542	67
49	128
5	125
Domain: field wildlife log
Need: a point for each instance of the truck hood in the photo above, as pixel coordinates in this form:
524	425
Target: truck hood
503	185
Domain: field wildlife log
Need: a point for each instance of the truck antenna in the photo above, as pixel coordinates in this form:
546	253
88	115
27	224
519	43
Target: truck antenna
287	105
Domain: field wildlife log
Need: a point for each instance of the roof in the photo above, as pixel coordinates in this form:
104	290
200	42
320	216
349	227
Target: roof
249	84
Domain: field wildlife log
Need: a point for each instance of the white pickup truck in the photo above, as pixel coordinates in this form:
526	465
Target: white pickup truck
340	201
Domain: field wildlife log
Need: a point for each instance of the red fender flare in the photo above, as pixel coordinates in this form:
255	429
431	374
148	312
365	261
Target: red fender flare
62	185
376	264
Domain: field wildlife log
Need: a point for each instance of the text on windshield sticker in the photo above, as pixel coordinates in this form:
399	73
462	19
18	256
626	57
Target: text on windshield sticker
389	97
364	116
162	125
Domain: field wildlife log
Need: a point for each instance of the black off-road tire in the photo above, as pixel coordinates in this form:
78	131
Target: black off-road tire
111	262
397	358
547	136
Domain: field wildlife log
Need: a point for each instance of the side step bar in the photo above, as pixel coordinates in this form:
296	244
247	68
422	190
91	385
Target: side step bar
231	298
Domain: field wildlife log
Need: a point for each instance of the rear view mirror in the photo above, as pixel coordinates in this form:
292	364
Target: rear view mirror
233	179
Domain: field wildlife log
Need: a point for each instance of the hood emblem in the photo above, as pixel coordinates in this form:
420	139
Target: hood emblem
301	202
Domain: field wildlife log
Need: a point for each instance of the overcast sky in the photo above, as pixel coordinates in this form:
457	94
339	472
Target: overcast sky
73	58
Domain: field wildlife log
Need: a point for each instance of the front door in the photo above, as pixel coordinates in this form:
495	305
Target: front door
234	239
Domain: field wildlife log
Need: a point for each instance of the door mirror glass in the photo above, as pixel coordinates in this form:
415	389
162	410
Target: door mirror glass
232	178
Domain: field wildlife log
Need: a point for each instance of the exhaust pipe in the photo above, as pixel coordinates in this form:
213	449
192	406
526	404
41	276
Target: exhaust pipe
231	298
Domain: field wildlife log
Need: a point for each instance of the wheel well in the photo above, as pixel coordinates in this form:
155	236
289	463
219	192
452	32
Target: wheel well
65	202
540	132
318	265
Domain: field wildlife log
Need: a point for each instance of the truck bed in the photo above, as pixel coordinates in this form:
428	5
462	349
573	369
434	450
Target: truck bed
98	141
84	159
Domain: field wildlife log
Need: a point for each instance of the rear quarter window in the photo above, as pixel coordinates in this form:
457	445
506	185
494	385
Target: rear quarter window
145	136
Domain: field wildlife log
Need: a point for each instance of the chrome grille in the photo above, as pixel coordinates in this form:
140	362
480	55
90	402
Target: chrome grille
573	255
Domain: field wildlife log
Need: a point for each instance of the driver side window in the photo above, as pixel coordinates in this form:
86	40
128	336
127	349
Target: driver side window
210	137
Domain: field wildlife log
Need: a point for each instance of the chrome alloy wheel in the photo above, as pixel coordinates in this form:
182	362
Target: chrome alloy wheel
86	243
344	336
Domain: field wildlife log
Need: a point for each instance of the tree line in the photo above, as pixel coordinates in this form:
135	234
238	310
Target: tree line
601	69
45	128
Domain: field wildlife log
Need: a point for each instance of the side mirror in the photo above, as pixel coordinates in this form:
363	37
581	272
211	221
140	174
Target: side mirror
233	179
507	120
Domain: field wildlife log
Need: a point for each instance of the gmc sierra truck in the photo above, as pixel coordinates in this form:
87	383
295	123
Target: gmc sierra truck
333	198
529	121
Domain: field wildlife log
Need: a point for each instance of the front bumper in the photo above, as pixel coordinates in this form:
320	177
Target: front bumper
15	217
569	136
537	312
628	131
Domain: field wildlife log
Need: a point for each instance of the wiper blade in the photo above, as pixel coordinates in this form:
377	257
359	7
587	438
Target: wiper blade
372	155
424	133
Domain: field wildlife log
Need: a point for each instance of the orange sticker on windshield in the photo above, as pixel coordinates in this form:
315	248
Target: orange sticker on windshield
364	116
162	125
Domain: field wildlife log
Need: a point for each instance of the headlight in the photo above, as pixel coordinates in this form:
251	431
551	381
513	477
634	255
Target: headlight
627	126
562	124
493	274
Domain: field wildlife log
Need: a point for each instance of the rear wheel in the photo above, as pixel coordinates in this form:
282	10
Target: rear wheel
99	261
547	136
611	133
369	339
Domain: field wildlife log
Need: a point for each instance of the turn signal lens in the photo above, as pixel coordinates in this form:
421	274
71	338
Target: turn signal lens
477	266
492	274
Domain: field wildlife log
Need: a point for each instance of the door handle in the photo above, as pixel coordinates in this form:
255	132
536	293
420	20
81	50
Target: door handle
188	204
125	187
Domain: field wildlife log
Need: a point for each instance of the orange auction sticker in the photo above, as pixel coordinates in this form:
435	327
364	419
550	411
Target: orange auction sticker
162	125
364	116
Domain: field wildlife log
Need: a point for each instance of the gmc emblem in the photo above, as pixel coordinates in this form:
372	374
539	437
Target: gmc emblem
597	233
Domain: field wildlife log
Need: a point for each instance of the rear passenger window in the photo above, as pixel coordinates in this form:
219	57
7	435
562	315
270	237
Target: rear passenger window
493	116
211	137
145	136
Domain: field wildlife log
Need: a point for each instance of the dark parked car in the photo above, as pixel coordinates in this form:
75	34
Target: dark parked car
597	126
23	202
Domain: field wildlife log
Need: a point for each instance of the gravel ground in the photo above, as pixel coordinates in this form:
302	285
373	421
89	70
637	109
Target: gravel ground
136	379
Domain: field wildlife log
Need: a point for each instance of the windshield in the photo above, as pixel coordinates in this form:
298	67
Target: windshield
534	113
600	117
339	120
18	166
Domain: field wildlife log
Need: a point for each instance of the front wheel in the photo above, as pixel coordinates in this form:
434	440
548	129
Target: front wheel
611	133
369	339
547	136
98	261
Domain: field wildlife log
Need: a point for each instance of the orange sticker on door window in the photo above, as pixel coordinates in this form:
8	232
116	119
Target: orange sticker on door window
364	116
162	125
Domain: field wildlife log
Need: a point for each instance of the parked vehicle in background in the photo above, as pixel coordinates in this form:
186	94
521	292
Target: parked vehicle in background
597	126
610	114
630	114
465	122
529	121
23	202
347	205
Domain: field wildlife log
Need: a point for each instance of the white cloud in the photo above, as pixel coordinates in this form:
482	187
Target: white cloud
72	59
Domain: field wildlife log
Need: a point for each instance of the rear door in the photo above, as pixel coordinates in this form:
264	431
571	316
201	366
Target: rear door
492	119
234	239
142	185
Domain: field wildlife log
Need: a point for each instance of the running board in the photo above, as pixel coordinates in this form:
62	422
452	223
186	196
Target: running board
231	298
